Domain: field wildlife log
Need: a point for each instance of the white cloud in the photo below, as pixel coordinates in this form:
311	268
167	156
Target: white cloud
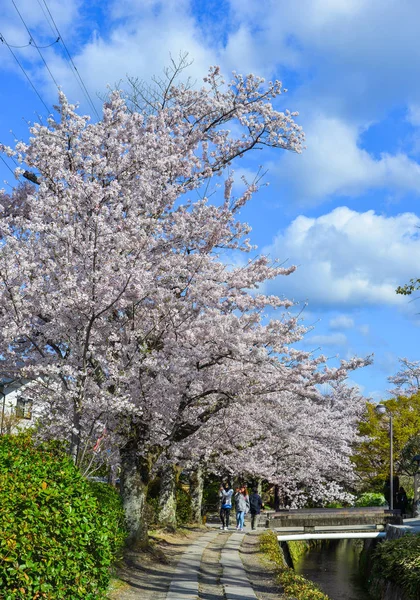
413	115
364	329
362	53
336	339
137	39
348	258
335	164
341	322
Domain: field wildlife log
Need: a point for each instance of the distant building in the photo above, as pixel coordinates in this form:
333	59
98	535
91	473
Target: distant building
16	406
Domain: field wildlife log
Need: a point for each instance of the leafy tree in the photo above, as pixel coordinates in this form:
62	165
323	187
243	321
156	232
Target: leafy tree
409	288
372	453
409	451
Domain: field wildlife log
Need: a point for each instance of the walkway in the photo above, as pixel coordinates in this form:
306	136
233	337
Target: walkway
232	578
408	526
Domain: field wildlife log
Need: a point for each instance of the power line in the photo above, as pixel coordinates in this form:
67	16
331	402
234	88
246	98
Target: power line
25	73
80	80
39	51
46	17
31	43
10	169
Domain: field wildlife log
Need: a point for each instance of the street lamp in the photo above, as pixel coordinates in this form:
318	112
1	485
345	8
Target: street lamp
381	410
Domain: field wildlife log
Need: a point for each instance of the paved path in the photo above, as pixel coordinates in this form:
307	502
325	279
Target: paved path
185	581
234	580
408	526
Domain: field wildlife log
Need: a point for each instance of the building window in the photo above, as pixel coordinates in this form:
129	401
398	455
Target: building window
24	408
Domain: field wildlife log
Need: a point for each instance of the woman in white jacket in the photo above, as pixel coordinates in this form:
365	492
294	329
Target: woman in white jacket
225	495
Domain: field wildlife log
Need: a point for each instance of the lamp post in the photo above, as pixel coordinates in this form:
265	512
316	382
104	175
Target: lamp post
381	410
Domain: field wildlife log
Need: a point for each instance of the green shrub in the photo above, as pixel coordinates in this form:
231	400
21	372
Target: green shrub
112	514
371	499
211	495
294	585
270	549
183	506
56	540
399	561
297	549
300	588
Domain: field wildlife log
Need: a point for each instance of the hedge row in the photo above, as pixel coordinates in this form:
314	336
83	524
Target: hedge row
399	561
59	534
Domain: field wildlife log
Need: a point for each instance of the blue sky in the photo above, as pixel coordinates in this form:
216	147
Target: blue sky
345	211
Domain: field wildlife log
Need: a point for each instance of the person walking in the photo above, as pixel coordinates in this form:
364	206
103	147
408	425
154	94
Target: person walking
246	495
225	495
255	504
241	507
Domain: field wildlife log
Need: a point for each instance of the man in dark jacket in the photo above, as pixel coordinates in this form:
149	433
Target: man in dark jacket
255	506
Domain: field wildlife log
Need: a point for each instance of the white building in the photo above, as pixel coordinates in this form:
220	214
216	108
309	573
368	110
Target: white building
16	407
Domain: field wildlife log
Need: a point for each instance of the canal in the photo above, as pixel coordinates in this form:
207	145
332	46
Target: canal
334	567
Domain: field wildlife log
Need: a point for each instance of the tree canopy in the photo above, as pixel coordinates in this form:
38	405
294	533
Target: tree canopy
119	301
372	455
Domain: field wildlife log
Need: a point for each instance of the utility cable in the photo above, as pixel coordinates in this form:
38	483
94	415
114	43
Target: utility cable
31	43
46	16
80	80
25	73
30	37
10	169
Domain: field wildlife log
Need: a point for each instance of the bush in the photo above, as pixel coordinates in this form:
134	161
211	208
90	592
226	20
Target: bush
183	506
299	587
399	561
294	585
371	499
56	540
112	514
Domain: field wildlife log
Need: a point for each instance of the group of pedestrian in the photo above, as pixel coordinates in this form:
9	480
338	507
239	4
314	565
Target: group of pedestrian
243	503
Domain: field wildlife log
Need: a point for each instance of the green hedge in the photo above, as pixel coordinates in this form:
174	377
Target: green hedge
294	585
112	515
371	499
56	540
399	561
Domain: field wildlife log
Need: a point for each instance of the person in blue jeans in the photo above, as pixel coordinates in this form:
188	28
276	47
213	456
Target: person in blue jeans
225	495
241	506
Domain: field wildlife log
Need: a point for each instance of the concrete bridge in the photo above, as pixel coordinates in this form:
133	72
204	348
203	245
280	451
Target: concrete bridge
331	523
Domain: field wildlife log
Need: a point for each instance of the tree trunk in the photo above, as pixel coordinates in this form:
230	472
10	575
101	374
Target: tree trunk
276	498
167	497
196	493
75	434
135	476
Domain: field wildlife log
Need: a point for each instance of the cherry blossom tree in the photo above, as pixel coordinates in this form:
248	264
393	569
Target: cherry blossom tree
117	301
302	445
407	379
